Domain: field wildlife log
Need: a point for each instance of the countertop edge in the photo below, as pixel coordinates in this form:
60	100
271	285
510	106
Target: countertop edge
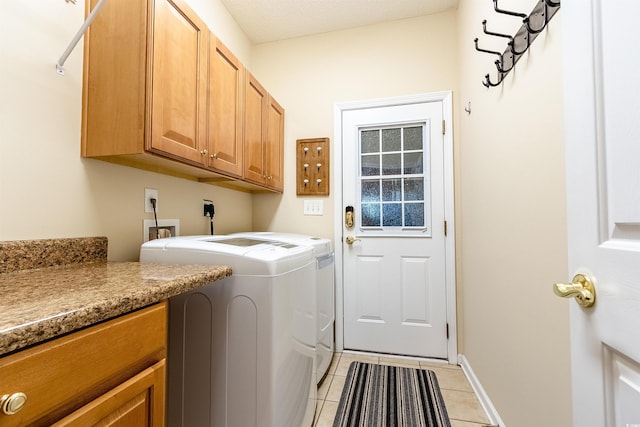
41	330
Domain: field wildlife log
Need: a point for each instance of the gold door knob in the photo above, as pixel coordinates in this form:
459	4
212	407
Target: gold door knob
581	288
350	240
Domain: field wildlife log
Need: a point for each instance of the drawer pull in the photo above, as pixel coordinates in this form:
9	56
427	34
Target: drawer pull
12	403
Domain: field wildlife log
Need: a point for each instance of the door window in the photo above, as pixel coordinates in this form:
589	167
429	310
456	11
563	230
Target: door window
394	180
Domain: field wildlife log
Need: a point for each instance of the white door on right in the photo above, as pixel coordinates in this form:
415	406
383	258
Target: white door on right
602	125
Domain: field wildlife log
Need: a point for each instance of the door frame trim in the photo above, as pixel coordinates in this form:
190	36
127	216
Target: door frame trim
450	270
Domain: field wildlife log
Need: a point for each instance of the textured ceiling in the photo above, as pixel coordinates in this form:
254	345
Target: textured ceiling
270	20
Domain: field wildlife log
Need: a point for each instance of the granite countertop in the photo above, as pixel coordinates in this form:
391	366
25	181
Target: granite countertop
61	296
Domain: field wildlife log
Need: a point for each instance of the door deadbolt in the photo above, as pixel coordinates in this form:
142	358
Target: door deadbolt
348	217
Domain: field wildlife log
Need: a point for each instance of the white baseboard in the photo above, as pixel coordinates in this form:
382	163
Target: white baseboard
482	395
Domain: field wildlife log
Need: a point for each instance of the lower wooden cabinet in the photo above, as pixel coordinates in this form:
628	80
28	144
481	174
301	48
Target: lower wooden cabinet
136	402
111	374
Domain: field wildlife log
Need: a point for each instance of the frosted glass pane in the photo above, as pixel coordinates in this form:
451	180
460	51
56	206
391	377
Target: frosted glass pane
370	191
413	163
414	189
393	187
414	214
391	164
413	138
391	140
392	215
391	190
370	215
370	141
371	165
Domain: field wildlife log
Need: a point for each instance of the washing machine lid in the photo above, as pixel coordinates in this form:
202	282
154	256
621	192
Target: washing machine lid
245	255
321	247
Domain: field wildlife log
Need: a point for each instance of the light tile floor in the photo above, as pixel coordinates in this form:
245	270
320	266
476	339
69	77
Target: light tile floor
462	405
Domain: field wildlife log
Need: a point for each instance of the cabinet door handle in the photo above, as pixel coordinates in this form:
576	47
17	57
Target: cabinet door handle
12	403
214	156
204	152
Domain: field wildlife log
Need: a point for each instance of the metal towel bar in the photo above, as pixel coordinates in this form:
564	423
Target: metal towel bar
76	38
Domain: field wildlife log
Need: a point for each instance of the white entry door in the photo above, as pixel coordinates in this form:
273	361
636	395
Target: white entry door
602	88
394	253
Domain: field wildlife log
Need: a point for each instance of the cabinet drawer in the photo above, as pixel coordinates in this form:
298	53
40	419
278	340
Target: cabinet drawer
63	375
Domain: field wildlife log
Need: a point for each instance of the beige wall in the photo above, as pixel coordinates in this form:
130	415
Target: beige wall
516	333
509	168
509	181
46	189
308	75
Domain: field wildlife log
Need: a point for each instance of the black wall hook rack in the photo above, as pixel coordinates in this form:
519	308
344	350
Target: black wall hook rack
532	25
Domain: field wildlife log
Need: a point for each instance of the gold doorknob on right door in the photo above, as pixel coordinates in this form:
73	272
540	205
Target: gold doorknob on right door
581	288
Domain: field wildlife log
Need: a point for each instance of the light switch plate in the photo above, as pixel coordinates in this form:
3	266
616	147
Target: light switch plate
313	207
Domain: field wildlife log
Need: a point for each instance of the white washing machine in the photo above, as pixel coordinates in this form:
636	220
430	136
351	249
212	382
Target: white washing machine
237	348
325	292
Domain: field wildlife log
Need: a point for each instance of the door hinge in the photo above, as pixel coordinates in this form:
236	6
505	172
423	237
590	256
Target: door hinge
445	228
447	330
444	127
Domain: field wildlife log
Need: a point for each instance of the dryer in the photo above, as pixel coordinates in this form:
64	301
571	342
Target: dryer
238	353
325	292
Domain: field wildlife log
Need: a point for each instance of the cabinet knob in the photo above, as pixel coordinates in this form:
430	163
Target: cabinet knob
270	177
214	156
204	152
12	403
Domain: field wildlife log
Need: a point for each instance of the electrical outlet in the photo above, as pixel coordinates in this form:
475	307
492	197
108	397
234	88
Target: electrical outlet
209	209
150	193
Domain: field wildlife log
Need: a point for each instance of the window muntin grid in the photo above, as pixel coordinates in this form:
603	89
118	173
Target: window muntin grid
394	177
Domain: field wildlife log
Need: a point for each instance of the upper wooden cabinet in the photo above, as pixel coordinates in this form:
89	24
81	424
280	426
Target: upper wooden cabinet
275	145
179	83
264	136
226	83
255	130
162	93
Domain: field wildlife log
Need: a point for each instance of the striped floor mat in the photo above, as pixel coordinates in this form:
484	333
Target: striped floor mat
386	396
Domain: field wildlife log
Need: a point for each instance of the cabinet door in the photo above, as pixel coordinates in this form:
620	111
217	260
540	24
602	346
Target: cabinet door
138	402
226	81
179	82
115	55
255	130
64	374
275	145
